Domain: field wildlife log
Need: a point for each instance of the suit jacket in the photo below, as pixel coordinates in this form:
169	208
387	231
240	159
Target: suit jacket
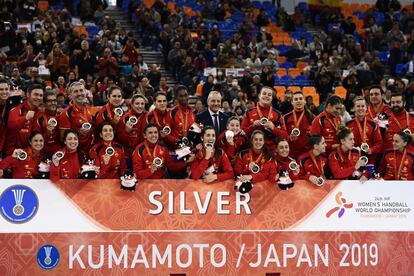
205	119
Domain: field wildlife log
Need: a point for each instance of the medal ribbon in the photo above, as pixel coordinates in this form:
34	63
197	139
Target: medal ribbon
295	119
377	111
259	112
147	147
157	120
333	123
313	158
258	158
362	131
341	156
398	173
109	109
184	126
398	123
84	114
18	196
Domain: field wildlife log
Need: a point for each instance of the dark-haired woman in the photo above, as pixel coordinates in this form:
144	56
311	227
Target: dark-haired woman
68	164
150	159
314	162
233	140
130	128
256	163
344	161
158	116
109	112
284	161
179	118
25	166
398	163
108	155
210	163
297	124
264	117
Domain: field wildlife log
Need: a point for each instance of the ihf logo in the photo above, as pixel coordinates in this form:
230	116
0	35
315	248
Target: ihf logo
18	204
48	256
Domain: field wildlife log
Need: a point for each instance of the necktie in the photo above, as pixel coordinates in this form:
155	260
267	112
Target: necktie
216	124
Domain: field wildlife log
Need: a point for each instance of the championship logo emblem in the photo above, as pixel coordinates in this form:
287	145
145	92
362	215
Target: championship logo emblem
48	256
18	204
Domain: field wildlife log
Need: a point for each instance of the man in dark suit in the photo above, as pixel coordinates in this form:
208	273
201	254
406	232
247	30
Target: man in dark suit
212	116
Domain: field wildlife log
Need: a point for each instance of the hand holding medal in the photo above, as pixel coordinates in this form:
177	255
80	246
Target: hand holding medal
19	154
51	124
209	150
86	127
118	112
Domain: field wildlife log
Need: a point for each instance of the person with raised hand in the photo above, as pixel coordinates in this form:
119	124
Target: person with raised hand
66	162
345	161
210	163
108	155
151	160
24	163
130	129
112	111
264	117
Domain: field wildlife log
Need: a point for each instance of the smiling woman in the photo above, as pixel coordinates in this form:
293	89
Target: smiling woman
150	159
66	162
264	117
24	162
111	162
210	164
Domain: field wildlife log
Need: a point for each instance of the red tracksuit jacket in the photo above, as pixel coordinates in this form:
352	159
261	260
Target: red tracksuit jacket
52	139
271	114
18	128
116	166
130	140
240	142
342	164
73	117
326	125
69	166
299	146
312	165
221	165
179	119
267	167
398	165
144	155
23	169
